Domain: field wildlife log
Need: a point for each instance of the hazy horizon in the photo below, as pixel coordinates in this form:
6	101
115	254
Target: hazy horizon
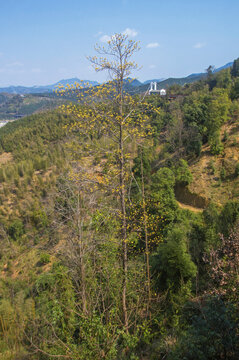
42	43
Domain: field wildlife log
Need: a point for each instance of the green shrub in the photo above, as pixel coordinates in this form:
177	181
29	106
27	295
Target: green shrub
2	175
228	217
237	170
211	166
225	136
172	263
182	173
216	146
39	218
45	258
223	173
211	335
16	229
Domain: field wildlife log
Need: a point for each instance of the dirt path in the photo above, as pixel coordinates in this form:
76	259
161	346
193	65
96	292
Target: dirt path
188	207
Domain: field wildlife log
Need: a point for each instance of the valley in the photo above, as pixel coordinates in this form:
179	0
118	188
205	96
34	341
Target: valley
119	222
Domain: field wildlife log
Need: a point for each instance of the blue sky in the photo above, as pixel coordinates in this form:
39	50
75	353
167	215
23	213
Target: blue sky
44	41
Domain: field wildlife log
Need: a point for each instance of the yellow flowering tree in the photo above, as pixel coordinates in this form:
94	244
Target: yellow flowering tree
111	123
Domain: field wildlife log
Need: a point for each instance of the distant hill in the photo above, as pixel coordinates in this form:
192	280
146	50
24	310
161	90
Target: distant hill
134	86
45	88
180	81
224	67
153	80
72	81
134	82
13	106
168	82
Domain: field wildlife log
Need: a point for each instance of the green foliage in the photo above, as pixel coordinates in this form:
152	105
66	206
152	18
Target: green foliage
2	175
211	335
162	194
212	166
146	166
173	263
236	170
94	339
44	258
163	179
235	68
211	218
38	217
235	89
195	108
182	173
193	140
223	79
223	173
208	111
46	306
218	110
234	111
13	105
32	134
225	136
16	229
228	217
55	300
216	145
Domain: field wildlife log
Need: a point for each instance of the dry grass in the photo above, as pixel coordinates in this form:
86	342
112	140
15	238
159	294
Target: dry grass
5	158
188	207
207	182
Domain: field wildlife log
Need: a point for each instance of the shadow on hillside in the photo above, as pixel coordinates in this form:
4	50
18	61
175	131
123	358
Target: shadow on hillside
183	194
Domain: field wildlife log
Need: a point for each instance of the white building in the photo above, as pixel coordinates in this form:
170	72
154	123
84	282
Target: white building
153	89
163	92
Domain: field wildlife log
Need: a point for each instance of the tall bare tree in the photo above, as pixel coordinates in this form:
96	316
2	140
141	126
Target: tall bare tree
117	120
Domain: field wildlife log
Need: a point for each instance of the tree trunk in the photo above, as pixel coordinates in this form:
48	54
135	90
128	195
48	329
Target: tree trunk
81	254
123	209
123	233
146	237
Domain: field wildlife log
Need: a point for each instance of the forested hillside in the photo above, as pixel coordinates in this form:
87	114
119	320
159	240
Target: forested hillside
14	106
119	234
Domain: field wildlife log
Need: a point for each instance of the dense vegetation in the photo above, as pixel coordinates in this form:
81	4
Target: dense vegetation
13	106
60	247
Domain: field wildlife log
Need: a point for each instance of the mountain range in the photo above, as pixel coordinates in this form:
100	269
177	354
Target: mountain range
45	88
135	85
